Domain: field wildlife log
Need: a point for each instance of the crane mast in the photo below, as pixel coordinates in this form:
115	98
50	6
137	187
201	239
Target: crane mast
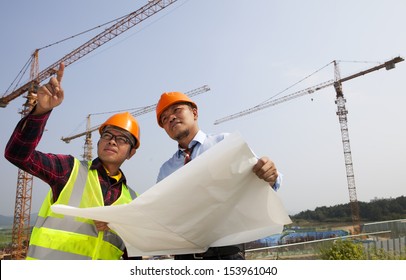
20	234
342	117
22	210
88	147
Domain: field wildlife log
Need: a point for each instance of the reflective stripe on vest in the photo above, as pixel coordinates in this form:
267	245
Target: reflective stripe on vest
56	236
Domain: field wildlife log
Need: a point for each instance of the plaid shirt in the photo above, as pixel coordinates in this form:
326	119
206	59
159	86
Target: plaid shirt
54	169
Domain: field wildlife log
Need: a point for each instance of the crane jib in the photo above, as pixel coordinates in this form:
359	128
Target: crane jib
132	19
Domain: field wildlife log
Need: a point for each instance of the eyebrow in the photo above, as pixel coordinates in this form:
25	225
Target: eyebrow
177	105
116	130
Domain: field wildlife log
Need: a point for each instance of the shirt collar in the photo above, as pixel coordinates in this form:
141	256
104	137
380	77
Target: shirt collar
198	139
97	164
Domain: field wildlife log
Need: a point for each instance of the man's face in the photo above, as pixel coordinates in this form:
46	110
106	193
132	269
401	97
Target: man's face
179	120
113	147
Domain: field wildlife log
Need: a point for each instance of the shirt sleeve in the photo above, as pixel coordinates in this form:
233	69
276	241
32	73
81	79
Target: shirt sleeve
21	151
278	182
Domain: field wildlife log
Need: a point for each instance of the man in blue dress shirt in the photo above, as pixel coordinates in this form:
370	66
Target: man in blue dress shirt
178	115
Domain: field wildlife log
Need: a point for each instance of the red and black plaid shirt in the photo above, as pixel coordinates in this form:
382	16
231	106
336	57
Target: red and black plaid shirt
54	169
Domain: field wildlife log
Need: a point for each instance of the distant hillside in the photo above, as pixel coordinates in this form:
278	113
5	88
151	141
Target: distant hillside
375	210
7	221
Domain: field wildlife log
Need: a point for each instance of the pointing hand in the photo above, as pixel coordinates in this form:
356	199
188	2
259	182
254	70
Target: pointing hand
51	94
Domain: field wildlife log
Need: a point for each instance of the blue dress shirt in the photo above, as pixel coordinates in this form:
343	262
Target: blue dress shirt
201	142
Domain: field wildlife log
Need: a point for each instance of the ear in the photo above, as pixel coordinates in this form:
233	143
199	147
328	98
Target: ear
131	153
195	113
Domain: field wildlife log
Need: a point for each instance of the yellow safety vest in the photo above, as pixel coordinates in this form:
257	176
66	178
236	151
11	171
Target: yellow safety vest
60	237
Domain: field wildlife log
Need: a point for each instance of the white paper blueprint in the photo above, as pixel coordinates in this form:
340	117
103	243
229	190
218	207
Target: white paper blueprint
214	200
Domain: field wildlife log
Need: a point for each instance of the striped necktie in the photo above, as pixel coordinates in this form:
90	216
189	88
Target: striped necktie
188	152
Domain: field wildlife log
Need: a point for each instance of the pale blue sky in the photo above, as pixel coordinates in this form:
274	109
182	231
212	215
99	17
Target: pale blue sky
246	52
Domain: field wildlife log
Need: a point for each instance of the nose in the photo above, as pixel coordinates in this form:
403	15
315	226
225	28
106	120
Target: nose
113	140
172	117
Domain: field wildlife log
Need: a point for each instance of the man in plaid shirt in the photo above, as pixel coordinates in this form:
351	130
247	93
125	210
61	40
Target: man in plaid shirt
54	237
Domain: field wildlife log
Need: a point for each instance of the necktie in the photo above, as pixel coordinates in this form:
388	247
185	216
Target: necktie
187	152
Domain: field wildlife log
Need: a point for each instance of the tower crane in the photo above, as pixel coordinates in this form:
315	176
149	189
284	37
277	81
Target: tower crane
342	116
22	210
88	133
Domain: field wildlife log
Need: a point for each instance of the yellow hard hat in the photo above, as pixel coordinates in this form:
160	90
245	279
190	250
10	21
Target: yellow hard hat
169	98
126	122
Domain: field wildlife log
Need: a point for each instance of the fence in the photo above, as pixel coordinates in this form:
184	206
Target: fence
391	238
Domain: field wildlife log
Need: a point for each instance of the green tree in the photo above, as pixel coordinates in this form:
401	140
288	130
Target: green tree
343	250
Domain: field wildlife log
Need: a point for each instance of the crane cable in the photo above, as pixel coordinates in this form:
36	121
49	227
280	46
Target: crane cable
19	76
315	72
298	82
81	33
22	72
60	41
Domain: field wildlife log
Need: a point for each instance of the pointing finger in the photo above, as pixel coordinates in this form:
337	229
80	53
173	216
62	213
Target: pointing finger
59	73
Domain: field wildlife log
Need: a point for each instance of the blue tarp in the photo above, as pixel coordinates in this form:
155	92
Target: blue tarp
293	237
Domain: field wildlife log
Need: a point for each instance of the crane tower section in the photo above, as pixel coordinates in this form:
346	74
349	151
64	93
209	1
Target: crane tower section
21	231
342	118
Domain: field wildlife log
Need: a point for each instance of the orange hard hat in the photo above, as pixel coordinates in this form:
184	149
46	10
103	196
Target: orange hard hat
169	98
126	122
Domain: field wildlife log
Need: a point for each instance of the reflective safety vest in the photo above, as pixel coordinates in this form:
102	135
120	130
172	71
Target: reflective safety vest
60	237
